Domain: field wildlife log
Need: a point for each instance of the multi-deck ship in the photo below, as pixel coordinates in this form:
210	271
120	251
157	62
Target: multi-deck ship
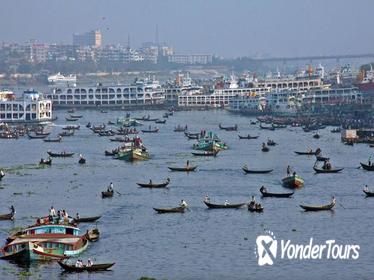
60	79
30	107
141	93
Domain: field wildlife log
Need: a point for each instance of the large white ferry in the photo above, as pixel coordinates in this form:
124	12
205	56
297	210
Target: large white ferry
222	94
141	93
30	107
60	79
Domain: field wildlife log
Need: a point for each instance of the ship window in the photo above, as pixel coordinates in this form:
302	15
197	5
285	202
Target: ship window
126	90
2	107
105	96
90	90
63	96
15	107
8	116
90	96
69	91
111	90
83	90
9	107
77	90
69	231
118	95
98	96
104	90
2	116
15	116
97	90
118	90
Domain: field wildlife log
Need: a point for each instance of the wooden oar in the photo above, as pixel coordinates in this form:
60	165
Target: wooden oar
118	192
341	205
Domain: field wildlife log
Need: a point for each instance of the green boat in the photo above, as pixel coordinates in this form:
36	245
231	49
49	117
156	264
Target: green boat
127	122
294	181
133	154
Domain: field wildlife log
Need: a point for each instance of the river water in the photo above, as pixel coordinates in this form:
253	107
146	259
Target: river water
201	243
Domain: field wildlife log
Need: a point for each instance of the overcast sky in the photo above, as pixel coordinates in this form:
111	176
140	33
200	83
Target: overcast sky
224	27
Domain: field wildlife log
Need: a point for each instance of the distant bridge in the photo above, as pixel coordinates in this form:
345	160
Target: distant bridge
316	57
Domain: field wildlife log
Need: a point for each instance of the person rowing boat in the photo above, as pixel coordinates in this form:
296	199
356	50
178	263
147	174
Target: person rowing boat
183	204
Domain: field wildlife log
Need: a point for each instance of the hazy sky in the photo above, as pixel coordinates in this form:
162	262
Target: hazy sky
222	27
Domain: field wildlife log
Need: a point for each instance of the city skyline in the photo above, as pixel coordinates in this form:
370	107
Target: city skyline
243	28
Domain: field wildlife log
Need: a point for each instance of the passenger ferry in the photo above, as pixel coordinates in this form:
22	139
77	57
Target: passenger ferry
30	107
60	79
222	96
181	86
141	93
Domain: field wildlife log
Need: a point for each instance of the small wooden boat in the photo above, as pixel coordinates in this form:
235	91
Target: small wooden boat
258	171
192	136
156	130
266	127
269	194
71	127
86	219
271	143
305	153
36	136
170	210
224	206
367	167
160	121
62	154
293	181
46	161
206	153
111	153
67	133
247	137
318	208
76	116
71	119
92	235
228	128
53	140
92	268
9	216
265	148
154	186
368	193
185	169
107	194
254	207
321	170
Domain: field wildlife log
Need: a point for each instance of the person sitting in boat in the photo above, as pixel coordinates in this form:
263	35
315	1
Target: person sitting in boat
369	161
183	204
150	181
77	217
2	174
79	263
226	202
110	188
366	188
333	200
318	151
89	262
263	189
310	150
188	163
207	199
294	173
263	145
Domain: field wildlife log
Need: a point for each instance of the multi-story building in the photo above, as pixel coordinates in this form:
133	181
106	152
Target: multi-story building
190	58
91	38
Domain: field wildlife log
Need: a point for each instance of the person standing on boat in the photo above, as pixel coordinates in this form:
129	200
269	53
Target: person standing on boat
150	181
366	189
89	262
333	200
12	210
207	199
183	204
289	171
110	188
52	212
188	163
369	161
226	202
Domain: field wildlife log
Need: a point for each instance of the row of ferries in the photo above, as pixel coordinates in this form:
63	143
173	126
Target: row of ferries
45	241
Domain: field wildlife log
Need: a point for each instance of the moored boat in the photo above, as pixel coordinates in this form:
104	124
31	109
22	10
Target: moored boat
265	193
152	185
62	154
332	170
206	153
368	167
92	268
319	207
183	169
179	209
255	171
53	140
248	137
224	206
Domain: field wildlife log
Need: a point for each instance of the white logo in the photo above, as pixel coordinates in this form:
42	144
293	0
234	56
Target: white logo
266	249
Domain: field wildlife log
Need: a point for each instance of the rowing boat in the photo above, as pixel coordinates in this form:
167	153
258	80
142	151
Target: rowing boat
185	169
318	208
92	235
305	153
248	171
368	193
86	219
170	210
294	181
268	194
9	216
107	194
224	206
206	153
321	170
367	166
254	207
94	267
247	137
154	186
63	154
